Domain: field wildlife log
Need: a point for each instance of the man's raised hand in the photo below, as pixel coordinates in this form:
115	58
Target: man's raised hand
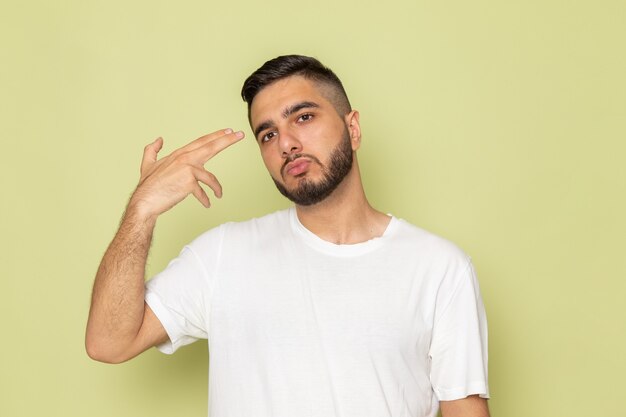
167	181
120	324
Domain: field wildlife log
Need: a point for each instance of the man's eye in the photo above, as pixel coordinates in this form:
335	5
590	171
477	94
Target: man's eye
266	137
305	117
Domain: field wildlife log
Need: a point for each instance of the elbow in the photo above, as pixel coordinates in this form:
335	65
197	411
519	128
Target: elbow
98	352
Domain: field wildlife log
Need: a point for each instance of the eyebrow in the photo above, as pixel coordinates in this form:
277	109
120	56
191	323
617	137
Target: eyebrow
297	107
294	108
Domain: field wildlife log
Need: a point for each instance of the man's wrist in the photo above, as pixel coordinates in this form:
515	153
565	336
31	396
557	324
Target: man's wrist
138	212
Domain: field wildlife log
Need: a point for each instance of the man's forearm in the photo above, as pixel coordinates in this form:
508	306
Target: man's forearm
117	304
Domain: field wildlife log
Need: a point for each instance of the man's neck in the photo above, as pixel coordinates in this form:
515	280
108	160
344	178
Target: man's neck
344	217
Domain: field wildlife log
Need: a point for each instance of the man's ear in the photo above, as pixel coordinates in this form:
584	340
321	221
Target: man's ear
354	129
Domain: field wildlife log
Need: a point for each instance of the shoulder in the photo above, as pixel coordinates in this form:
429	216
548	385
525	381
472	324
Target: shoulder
426	244
446	265
244	231
259	227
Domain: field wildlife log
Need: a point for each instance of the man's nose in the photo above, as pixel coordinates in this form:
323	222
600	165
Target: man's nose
289	143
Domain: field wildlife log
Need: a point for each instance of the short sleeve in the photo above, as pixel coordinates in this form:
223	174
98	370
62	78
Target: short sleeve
180	295
458	349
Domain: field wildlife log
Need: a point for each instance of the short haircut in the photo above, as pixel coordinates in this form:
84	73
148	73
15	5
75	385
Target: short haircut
304	66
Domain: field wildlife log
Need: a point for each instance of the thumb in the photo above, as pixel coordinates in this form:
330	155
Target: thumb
150	153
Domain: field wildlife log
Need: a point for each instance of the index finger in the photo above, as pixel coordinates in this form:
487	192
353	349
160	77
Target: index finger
203	140
217	145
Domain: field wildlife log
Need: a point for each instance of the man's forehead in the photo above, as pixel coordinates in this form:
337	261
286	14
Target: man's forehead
280	95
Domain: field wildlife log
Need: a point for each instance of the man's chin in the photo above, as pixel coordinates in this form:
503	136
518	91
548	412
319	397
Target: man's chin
307	193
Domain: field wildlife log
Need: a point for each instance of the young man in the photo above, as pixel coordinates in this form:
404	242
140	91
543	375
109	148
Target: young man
329	308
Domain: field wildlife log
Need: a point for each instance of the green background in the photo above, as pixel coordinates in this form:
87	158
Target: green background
498	125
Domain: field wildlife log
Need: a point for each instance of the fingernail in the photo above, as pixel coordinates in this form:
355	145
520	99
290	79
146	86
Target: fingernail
228	131
239	134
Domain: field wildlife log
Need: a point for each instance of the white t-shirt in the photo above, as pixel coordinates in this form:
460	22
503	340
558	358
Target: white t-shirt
300	327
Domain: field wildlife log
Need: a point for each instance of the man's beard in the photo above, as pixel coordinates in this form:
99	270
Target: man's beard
309	192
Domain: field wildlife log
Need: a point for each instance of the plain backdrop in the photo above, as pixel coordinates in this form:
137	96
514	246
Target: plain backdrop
498	125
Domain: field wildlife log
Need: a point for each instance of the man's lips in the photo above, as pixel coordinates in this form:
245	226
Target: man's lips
297	167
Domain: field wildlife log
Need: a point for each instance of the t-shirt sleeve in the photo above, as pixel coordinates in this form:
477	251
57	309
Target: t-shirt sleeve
180	295
459	341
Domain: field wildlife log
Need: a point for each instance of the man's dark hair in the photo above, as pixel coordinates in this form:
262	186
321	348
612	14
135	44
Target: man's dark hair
304	66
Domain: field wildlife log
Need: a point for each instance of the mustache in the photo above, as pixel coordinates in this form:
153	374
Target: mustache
295	156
